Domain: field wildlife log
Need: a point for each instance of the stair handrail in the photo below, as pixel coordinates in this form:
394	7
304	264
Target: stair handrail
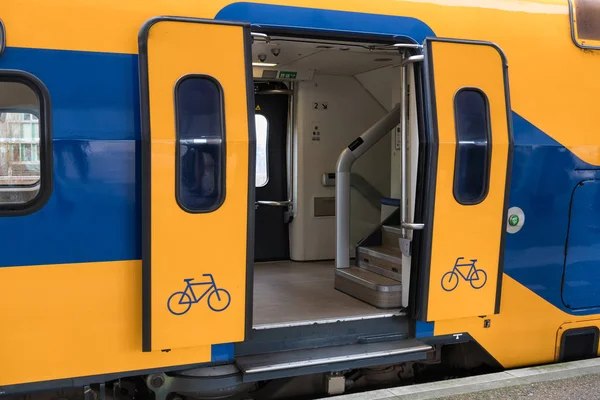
342	180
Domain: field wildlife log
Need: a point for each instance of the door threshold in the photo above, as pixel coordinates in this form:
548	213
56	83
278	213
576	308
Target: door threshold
337	358
328	320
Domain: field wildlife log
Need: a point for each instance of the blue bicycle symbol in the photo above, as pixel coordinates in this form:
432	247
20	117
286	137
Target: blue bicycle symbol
180	302
476	277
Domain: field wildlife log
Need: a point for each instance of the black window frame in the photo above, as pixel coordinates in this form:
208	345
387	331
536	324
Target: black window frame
2	37
45	125
222	145
488	158
580	42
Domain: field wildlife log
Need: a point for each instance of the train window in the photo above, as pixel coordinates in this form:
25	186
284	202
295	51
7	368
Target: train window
200	165
585	23
473	152
25	157
262	161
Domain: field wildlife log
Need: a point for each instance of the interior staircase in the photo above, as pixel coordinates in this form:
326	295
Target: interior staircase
376	278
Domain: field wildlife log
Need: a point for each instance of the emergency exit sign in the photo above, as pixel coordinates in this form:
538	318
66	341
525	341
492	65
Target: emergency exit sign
287	75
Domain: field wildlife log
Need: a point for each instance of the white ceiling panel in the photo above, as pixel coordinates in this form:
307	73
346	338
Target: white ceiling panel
332	58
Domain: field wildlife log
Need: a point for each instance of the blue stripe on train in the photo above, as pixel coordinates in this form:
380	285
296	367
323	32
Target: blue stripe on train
93	213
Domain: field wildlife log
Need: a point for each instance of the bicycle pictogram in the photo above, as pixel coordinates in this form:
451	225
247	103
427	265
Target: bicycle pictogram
476	277
180	302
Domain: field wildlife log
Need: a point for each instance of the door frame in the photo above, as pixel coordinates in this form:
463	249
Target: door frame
143	36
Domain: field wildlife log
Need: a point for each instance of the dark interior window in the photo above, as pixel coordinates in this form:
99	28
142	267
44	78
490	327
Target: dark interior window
201	144
587	15
471	170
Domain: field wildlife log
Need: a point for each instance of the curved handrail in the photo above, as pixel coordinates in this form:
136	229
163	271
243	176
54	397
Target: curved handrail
343	180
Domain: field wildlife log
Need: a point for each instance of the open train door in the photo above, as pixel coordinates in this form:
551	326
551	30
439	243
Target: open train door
198	150
469	158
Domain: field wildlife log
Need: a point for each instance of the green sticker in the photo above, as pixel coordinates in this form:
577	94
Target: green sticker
513	220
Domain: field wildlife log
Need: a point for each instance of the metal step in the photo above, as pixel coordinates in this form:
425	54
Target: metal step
392	229
391	235
389	258
367	286
397	276
332	358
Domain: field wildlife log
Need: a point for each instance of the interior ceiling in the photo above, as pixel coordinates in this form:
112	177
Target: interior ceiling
331	57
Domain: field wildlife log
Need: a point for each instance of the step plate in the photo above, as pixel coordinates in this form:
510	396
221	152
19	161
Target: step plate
395	229
370	280
376	290
286	360
390	254
397	276
383	257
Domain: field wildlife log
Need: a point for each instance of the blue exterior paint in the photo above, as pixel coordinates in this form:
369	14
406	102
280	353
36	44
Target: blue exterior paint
93	213
581	284
424	329
544	175
268	15
221	352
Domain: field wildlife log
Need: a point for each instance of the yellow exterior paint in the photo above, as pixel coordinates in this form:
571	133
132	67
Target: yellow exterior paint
72	320
176	234
468	231
525	332
83	319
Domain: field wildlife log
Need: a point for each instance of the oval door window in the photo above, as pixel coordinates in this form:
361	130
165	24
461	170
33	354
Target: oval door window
473	147
200	158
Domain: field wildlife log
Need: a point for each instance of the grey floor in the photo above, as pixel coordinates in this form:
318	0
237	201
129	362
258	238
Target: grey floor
291	293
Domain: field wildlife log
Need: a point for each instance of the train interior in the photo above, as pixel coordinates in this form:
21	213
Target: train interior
314	98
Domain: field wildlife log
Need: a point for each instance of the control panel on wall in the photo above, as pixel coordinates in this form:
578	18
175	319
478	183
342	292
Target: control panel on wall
316	133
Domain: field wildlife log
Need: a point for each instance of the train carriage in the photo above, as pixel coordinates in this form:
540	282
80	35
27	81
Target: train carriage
273	199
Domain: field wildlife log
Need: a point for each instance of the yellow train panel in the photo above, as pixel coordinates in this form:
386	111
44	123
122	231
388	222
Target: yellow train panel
73	320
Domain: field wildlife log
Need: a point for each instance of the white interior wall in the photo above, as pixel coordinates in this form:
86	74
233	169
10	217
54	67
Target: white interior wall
377	82
351	109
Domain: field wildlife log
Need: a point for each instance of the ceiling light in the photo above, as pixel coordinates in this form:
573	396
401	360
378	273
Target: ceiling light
262	64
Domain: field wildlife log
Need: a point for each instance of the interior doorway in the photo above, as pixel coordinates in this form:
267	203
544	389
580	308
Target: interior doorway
340	89
271	115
